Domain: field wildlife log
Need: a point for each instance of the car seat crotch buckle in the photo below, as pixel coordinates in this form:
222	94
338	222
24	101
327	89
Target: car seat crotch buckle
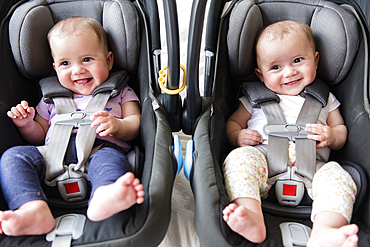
289	192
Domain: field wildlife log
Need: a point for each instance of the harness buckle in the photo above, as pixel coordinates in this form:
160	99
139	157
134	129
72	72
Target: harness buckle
77	119
290	131
289	192
72	185
73	189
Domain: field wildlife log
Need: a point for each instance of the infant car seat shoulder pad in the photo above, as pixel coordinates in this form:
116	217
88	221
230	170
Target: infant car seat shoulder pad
257	93
115	83
317	89
51	87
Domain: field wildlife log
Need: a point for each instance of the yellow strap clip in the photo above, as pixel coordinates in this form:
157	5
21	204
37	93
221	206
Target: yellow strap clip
162	80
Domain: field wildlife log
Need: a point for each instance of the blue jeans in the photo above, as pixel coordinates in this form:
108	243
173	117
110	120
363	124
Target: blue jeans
22	172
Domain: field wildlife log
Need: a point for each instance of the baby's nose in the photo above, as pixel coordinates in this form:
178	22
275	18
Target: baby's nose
78	69
289	71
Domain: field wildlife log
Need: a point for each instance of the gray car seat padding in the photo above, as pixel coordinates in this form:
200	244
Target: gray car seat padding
335	31
31	22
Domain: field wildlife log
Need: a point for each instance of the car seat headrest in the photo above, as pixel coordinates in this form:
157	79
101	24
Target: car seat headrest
335	30
30	23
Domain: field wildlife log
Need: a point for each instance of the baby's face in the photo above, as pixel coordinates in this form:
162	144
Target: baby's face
82	62
287	65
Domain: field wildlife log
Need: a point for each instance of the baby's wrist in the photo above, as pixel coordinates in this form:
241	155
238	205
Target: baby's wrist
25	125
236	139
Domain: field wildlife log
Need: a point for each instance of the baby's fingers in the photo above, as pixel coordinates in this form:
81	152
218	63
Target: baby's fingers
31	111
315	137
22	109
17	112
315	128
98	114
11	114
24	104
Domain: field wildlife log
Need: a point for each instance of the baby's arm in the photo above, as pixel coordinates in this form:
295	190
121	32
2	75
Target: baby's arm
237	132
126	129
34	131
334	135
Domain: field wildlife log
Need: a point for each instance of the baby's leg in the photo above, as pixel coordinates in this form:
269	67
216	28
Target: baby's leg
29	214
333	194
32	218
245	171
114	187
245	217
108	200
331	229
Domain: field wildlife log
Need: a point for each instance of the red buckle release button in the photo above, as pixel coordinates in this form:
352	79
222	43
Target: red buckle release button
72	188
289	190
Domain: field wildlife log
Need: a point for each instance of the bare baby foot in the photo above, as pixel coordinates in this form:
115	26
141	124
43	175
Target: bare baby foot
346	236
248	223
113	198
32	218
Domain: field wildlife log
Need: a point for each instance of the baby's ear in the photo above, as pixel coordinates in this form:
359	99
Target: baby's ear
110	60
258	73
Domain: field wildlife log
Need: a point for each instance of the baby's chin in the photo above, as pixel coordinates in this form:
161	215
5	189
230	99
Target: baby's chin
291	89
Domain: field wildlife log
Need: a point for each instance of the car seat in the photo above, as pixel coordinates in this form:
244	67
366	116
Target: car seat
132	29
341	35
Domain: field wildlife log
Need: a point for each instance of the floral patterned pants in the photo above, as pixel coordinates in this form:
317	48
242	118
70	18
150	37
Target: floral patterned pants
245	172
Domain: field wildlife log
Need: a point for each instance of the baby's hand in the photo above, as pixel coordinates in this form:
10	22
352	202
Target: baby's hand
22	115
106	122
249	137
324	134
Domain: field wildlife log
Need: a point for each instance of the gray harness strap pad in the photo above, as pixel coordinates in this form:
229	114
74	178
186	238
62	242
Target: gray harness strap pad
51	88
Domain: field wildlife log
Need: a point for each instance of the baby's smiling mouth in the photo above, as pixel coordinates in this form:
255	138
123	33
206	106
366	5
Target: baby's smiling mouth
292	83
83	81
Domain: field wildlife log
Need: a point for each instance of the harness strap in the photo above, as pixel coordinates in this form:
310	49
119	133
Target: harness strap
305	148
86	135
289	180
68	118
54	153
277	150
62	129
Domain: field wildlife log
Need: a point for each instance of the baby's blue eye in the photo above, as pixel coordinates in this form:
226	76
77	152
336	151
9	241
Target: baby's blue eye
87	59
297	60
65	63
276	67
